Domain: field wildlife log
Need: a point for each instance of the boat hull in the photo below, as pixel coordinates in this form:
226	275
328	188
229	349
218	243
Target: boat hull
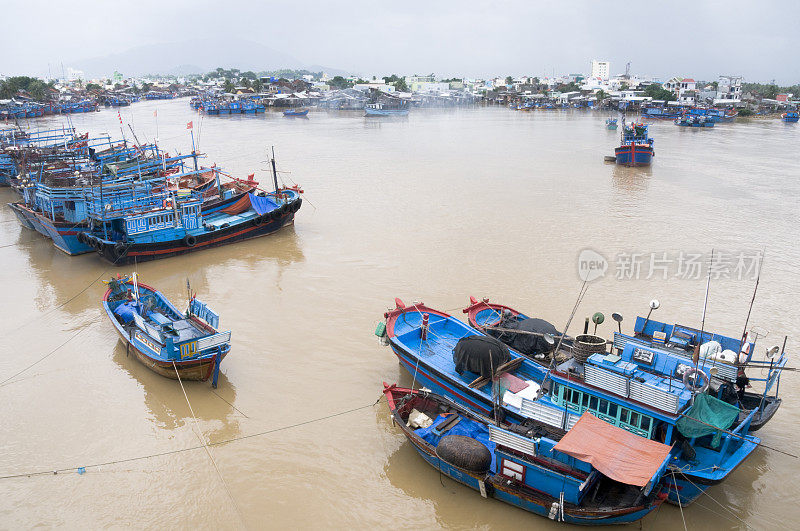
634	155
386	112
495	486
142	252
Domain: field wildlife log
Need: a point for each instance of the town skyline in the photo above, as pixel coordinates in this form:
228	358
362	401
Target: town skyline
473	40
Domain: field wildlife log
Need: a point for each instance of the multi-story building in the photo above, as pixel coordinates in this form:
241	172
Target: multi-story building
729	90
601	69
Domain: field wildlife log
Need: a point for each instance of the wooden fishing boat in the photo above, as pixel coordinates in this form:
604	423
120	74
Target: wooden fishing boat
661	405
636	148
293	113
565	477
164	225
529	336
611	124
694	121
379	109
169	342
790	117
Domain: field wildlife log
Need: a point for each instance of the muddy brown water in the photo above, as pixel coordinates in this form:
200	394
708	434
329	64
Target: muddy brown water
435	207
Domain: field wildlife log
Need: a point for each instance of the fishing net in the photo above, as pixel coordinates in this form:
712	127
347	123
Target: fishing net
706	416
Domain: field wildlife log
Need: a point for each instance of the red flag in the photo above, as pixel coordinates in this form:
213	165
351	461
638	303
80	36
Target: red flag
189	125
120	118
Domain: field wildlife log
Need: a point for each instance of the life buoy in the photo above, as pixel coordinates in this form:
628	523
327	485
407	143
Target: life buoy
189	240
691	382
82	237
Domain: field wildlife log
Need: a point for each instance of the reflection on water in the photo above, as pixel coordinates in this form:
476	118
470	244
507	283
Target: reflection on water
625	179
167	405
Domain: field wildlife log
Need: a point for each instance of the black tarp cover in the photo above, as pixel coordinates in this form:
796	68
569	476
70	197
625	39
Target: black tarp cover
479	354
528	343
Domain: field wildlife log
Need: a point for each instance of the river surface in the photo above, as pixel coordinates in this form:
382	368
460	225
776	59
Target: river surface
435	207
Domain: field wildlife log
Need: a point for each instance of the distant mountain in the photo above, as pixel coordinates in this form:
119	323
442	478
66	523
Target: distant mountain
191	57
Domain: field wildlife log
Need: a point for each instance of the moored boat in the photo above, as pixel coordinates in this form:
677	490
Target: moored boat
694	121
611	124
295	112
379	109
169	342
790	117
636	147
669	406
565	477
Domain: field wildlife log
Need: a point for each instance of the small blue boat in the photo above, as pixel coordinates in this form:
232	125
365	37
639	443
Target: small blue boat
168	341
694	121
379	109
790	117
571	478
611	124
295	113
636	148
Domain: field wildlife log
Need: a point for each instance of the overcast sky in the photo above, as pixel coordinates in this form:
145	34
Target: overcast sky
701	39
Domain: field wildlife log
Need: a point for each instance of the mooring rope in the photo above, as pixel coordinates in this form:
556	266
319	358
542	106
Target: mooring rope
191	448
202	438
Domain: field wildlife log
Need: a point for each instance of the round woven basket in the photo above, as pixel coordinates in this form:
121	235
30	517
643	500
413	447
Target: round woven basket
585	345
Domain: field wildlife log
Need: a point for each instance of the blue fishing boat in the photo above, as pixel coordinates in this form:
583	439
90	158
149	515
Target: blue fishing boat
636	148
660	112
717	364
689	120
168	341
611	123
170	223
790	117
293	113
726	360
615	388
379	109
571	478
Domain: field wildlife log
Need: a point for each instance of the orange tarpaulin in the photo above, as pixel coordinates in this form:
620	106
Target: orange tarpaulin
614	452
239	206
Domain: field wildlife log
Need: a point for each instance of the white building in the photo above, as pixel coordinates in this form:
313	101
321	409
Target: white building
729	90
684	88
600	69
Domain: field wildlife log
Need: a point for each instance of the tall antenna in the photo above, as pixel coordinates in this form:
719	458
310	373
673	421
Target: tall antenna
274	170
696	356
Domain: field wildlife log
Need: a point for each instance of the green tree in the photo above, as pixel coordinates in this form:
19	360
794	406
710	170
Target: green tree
400	85
600	95
228	86
245	82
93	86
257	85
38	89
657	92
338	82
509	80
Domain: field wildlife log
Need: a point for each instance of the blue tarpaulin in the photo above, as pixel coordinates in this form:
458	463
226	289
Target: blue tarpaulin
262	205
465	427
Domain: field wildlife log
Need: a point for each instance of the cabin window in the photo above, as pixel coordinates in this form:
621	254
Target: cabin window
593	403
635	418
513	470
623	415
612	409
645	424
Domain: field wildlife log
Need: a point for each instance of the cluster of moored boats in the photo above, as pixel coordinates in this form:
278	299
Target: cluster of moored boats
578	429
133	202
